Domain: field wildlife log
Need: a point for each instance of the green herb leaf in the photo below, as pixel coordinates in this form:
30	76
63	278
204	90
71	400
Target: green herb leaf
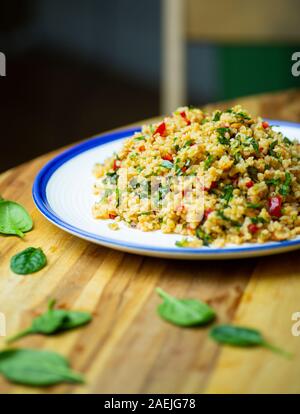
242	337
286	186
14	219
253	205
167	164
252	172
182	243
228	193
207	163
243	115
271	149
287	141
28	261
221	214
36	368
206	238
256	220
184	312
254	145
273	181
217	116
54	321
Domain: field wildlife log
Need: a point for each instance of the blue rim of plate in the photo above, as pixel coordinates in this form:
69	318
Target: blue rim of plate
41	202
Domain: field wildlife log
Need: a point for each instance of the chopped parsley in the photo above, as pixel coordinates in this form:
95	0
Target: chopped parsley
286	186
287	141
271	149
273	181
253	205
256	220
221	214
207	163
228	193
252	172
217	116
206	238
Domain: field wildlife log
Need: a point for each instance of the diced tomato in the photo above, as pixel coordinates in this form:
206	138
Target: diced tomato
161	129
207	212
235	179
142	148
253	228
116	165
249	184
112	216
274	206
265	125
214	184
183	115
168	157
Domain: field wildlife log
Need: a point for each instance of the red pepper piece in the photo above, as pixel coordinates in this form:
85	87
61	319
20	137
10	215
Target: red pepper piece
168	157
116	165
207	212
249	184
183	115
265	125
274	206
161	129
214	184
253	228
142	148
112	216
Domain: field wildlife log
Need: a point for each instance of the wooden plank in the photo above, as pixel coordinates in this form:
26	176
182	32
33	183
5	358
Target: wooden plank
268	304
127	348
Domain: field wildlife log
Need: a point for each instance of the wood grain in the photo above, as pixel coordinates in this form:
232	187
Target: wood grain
127	348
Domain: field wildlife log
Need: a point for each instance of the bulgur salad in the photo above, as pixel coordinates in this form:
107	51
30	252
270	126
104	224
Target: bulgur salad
217	178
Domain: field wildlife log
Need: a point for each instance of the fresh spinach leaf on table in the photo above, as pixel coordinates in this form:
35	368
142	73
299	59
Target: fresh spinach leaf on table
14	219
54	321
242	337
36	368
184	312
28	261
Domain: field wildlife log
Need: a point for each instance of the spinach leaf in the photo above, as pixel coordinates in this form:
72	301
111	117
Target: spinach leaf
184	312
36	368
28	261
242	337
286	186
14	219
54	321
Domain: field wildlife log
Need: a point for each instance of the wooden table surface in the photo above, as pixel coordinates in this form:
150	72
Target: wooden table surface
128	348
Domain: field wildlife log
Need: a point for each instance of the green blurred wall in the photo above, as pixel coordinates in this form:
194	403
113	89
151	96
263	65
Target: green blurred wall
246	69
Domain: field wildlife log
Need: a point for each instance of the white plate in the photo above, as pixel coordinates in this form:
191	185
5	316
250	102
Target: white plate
62	191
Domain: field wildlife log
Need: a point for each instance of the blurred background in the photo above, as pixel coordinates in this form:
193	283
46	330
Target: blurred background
75	68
